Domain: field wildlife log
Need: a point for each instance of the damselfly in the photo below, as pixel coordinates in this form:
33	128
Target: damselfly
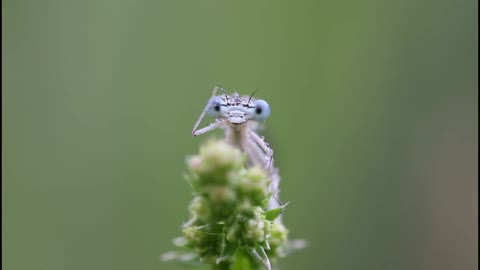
241	117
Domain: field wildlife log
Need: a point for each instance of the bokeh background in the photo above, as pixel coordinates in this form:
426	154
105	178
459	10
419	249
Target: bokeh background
374	126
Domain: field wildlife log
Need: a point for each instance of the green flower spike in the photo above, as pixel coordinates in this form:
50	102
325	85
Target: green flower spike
229	226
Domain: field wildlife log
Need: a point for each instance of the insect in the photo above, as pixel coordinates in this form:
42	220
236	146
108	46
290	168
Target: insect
240	117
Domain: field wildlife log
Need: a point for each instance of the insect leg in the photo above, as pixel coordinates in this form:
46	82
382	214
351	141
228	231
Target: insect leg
208	128
209	103
268	151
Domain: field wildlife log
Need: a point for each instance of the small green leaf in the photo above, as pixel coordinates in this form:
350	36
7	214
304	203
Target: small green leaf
258	253
227	252
241	261
212	228
266	245
275	213
265	202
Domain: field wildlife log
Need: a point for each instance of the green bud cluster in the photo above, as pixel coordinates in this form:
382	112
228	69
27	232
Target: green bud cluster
229	226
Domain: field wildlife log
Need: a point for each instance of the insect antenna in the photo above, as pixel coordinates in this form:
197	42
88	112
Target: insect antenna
225	93
252	95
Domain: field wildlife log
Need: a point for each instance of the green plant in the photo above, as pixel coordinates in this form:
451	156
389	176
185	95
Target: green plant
230	227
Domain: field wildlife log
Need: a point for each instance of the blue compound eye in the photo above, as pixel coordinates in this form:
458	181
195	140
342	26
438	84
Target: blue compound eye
215	110
262	110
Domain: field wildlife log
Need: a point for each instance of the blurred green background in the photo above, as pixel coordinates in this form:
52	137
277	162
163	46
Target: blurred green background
374	126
